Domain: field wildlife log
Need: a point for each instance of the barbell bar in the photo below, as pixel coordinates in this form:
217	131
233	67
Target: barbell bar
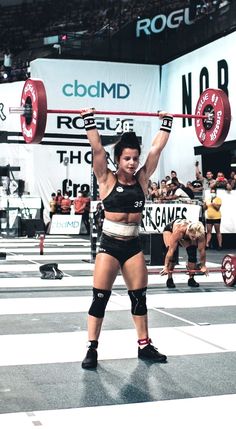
181	271
228	270
106	112
212	114
23	111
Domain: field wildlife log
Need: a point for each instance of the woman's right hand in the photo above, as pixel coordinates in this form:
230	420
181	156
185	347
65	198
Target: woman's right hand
86	110
162	113
164	271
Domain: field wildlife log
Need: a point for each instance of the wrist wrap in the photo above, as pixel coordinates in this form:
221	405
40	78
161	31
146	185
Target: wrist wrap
89	123
166	123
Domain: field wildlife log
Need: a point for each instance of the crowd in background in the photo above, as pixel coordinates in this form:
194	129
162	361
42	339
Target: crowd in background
169	189
172	188
61	203
24	26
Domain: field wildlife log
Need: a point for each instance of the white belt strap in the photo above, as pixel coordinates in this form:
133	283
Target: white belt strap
120	229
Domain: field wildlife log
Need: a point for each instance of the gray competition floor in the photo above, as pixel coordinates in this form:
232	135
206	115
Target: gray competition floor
43	340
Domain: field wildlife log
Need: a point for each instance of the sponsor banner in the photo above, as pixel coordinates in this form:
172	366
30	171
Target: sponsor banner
99	84
158	23
65	224
157	216
63	160
183	80
105	86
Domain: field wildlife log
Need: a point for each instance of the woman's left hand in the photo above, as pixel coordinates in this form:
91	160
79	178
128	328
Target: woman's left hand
204	270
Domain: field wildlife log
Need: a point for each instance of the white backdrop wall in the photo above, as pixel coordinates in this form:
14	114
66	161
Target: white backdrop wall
179	154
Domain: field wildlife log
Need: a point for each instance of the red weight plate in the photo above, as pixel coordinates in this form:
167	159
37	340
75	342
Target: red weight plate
213	134
229	265
34	99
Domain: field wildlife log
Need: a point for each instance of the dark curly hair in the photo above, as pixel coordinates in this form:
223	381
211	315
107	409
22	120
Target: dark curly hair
127	140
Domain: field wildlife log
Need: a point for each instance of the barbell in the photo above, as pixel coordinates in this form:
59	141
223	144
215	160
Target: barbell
228	270
212	114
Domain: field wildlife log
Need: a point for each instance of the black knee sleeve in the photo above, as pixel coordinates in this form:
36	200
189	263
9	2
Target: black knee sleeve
192	254
138	301
99	303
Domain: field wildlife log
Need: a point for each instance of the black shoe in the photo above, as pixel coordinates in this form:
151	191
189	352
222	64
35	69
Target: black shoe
59	274
170	283
91	359
50	272
150	352
192	282
48	275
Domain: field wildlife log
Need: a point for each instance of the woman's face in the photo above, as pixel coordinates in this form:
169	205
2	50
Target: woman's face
129	160
192	235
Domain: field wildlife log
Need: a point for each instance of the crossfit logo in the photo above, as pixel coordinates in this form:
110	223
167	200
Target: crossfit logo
158	23
2	115
96	90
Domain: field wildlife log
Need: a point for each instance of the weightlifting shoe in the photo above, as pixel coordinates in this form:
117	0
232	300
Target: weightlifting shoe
50	271
91	359
149	352
170	283
59	274
192	282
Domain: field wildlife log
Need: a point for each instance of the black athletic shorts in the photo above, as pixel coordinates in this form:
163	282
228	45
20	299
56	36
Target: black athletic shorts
122	250
213	221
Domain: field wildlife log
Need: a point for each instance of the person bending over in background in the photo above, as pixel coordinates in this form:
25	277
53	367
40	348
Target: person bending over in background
123	197
190	235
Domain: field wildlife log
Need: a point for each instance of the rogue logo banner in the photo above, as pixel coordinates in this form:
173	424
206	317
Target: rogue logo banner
158	23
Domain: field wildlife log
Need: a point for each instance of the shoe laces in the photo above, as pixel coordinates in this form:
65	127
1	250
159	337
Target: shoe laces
150	347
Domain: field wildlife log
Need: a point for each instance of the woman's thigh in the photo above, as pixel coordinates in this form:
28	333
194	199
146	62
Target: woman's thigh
209	227
217	227
105	271
135	272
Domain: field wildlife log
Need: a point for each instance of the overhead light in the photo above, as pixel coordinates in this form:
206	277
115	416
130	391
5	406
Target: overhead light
233	164
64	37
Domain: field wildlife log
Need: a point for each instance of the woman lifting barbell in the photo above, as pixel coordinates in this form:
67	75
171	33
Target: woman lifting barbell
190	235
123	197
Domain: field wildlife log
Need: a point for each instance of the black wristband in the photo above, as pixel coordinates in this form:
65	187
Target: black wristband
166	123
89	122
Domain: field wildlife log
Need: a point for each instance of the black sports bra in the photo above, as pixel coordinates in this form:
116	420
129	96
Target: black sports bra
125	199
